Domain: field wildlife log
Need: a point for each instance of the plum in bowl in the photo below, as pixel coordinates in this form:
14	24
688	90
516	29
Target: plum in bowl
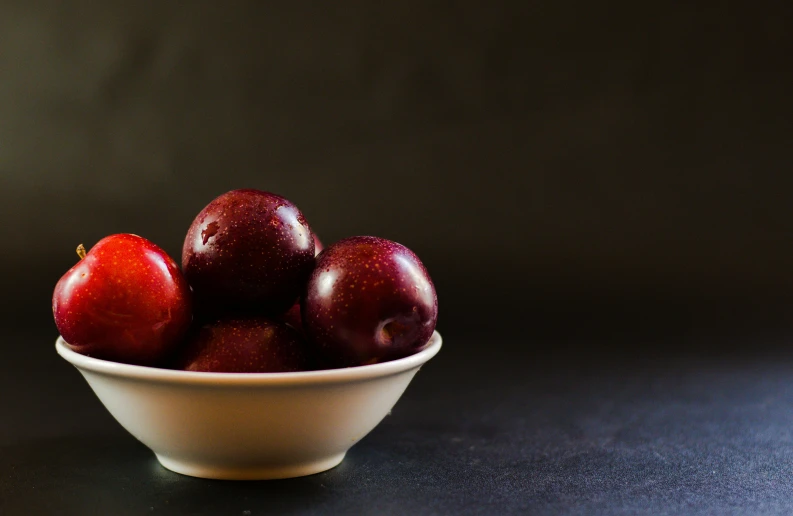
249	426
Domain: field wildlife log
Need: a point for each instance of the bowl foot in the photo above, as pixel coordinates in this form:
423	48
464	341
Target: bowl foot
222	472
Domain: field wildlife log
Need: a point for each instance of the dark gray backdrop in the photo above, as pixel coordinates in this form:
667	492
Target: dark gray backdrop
525	150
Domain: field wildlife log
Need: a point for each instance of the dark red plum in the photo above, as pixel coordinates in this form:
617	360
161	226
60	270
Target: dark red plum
244	345
368	300
248	251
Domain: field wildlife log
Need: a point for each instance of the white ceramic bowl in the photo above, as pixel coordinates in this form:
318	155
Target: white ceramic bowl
249	425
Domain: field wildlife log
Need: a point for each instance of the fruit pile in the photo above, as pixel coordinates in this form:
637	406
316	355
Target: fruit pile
256	293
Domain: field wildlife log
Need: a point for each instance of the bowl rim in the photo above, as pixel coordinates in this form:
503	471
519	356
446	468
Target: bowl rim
342	375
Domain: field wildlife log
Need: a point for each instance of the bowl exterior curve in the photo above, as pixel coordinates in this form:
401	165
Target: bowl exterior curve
248	432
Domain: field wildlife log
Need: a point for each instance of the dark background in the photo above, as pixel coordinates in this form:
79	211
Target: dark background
528	152
600	190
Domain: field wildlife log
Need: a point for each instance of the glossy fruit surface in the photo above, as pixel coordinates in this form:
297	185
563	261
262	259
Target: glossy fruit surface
250	251
125	300
368	300
244	345
318	247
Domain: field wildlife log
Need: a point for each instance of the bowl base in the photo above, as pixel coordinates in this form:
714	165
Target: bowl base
220	472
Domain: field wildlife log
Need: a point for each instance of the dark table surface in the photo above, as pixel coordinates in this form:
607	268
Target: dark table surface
493	425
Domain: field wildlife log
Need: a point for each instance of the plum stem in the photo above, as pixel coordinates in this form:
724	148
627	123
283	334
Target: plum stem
81	251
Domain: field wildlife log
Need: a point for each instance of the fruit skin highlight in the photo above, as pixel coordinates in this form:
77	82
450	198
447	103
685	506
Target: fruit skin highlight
125	300
368	300
247	251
